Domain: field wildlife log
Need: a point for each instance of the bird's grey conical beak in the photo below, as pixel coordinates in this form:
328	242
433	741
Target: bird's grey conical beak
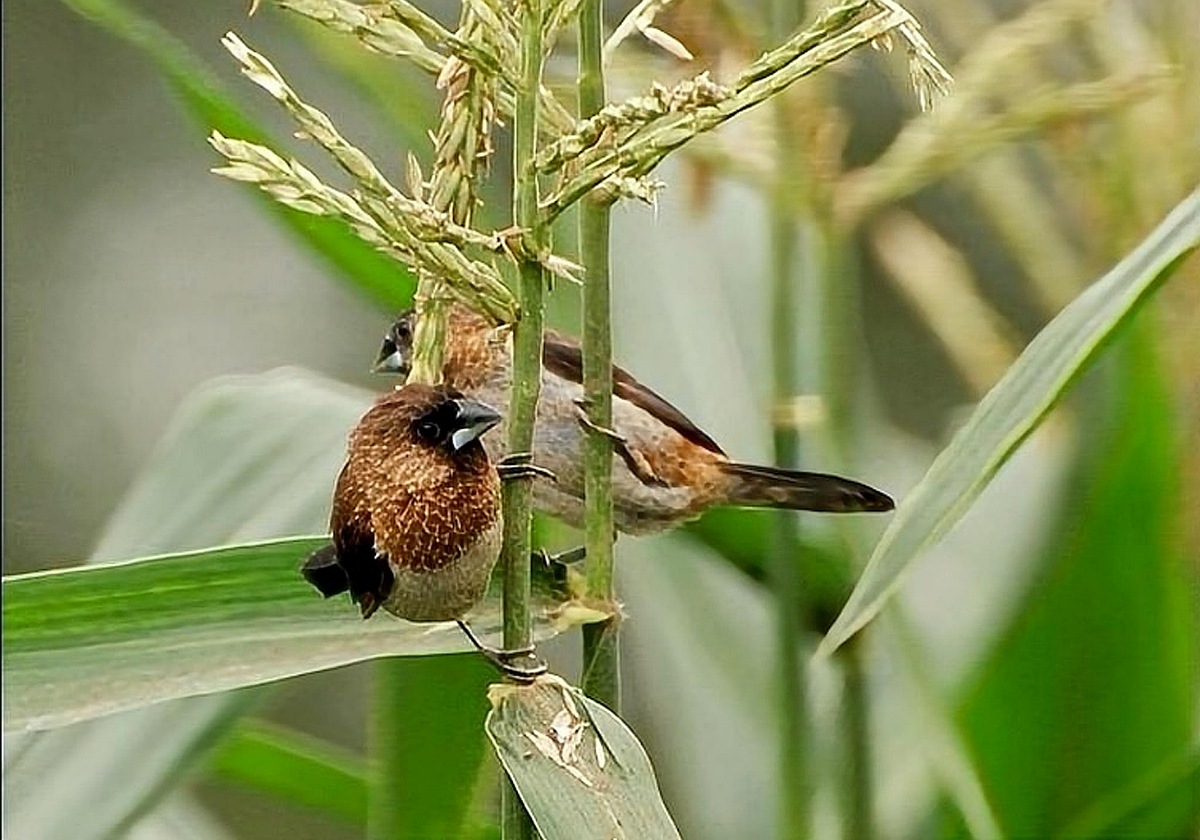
390	360
474	418
388	364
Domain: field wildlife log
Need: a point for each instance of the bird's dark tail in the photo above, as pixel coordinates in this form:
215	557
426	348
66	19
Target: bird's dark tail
323	571
778	488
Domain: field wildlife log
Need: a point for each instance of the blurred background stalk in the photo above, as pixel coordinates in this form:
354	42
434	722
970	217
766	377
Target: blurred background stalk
601	641
792	612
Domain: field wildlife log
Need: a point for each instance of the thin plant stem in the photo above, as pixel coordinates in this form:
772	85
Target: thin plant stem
839	372
527	370
601	650
791	606
790	603
859	820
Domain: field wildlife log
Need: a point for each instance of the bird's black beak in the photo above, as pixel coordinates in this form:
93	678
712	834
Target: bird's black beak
390	359
474	418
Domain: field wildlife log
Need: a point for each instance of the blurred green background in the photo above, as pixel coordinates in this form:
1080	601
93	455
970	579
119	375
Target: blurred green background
1053	630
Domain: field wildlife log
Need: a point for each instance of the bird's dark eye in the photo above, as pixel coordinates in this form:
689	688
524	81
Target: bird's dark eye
402	334
430	430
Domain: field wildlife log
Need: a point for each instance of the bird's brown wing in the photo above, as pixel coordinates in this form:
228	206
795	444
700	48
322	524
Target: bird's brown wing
563	356
367	572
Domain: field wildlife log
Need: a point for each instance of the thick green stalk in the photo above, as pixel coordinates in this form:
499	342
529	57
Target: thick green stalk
527	334
527	368
601	657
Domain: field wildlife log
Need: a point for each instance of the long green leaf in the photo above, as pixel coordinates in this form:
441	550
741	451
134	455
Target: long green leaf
381	278
1093	689
114	770
86	642
580	771
1012	409
426	754
1117	815
294	768
246	458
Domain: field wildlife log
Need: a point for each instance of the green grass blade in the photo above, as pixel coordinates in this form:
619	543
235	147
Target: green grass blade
1117	815
579	770
86	642
381	278
426	753
294	768
1093	688
114	770
1013	409
245	458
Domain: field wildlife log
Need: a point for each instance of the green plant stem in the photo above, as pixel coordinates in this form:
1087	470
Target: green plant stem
791	599
839	374
601	648
859	820
527	365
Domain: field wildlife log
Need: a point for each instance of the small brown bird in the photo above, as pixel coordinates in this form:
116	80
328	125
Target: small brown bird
416	519
668	471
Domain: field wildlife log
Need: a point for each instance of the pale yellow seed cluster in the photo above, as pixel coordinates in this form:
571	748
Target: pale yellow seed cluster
477	67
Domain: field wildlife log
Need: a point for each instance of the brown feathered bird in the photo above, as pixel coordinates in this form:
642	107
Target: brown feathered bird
416	520
667	471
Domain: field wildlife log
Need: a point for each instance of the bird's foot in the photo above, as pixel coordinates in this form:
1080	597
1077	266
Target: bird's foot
596	429
563	558
635	461
520	465
520	664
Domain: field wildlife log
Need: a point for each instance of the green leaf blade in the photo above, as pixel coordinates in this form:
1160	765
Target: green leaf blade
578	768
294	768
1012	410
1085	703
86	642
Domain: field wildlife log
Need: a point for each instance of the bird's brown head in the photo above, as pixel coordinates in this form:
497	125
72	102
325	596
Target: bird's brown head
417	490
473	347
433	423
395	353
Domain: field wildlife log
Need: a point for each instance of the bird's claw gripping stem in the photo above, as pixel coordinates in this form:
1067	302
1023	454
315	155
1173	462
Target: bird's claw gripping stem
520	664
520	465
585	421
569	557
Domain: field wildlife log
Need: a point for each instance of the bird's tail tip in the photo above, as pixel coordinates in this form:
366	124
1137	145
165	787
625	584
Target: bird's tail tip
756	486
323	571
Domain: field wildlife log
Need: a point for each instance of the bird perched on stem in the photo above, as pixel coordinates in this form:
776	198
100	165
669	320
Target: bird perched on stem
667	470
416	520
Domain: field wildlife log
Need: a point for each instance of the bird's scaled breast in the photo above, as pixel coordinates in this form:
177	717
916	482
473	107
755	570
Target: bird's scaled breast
449	591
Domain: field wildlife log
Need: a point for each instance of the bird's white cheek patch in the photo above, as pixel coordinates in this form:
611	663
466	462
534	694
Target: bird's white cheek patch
462	437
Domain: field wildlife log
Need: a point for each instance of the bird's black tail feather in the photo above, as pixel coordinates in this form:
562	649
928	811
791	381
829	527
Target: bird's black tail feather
755	486
323	571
